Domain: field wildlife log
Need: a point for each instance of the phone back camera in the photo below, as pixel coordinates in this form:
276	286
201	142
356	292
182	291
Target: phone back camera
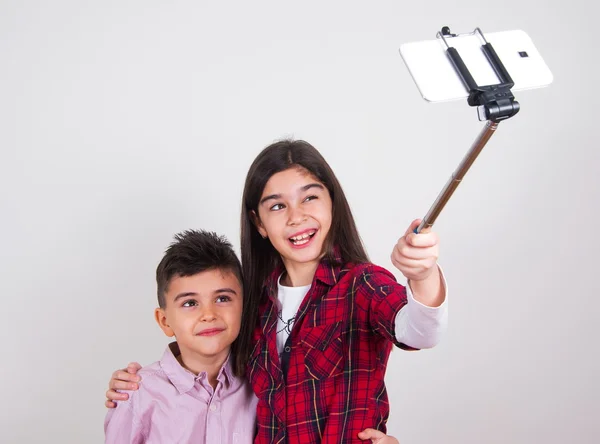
523	54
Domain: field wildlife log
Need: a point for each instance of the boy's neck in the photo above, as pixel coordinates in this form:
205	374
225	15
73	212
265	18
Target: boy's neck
298	274
197	363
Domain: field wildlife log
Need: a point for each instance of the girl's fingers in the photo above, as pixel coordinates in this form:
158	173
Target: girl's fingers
124	375
422	240
113	395
116	384
414	269
412	227
133	367
371	434
402	250
409	271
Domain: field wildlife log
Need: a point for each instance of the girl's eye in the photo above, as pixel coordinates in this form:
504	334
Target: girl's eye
223	299
190	303
309	198
276	207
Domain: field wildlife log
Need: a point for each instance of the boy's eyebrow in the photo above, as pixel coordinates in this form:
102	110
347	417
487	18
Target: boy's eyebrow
304	188
193	293
185	295
225	290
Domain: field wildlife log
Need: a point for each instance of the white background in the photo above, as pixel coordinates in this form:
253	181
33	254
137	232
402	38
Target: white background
123	122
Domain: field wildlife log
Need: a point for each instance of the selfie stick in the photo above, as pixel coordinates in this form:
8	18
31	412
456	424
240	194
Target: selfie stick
494	103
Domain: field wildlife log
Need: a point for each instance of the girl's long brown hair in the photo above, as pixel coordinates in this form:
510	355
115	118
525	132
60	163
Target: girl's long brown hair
259	258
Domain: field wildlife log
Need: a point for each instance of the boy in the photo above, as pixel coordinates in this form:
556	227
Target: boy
193	394
196	392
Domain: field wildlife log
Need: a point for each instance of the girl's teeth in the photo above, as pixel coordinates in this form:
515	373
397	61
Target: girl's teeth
302	236
302	239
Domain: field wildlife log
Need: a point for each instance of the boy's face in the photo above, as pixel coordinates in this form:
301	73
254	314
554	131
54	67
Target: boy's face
204	313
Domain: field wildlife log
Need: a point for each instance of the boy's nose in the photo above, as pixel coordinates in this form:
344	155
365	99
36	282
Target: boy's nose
207	315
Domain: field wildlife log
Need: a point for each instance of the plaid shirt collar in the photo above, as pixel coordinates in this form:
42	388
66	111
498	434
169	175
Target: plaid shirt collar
328	272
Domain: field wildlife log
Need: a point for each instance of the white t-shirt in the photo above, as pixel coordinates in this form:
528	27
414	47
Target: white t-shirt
290	299
417	325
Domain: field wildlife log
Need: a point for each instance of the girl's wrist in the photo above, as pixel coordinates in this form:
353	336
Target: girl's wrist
429	291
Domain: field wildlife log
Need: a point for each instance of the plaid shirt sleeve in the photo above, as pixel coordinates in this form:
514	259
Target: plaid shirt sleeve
385	298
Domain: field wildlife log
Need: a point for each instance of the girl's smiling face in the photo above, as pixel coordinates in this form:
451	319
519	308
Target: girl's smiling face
294	212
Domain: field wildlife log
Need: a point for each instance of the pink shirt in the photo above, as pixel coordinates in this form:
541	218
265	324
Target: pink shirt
173	405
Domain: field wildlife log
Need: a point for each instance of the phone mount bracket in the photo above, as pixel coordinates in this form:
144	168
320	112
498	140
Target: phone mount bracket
494	103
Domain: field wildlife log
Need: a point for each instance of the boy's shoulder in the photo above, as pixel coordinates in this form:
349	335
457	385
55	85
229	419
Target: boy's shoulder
152	377
154	382
152	371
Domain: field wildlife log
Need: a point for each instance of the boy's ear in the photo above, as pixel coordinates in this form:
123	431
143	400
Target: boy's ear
258	224
161	320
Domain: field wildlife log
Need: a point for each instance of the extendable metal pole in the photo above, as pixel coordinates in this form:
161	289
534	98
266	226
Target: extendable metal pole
457	176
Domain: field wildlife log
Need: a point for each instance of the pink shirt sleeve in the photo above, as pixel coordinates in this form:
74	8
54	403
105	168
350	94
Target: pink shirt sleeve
121	425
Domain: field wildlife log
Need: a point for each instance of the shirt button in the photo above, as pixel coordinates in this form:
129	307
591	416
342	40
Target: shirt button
287	349
213	408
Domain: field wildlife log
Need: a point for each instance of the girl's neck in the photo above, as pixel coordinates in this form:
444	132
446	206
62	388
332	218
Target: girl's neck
298	274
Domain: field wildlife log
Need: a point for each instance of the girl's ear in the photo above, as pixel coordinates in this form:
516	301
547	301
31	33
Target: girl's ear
258	224
161	320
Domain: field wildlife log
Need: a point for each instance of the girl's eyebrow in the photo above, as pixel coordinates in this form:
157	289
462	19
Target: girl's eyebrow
312	185
269	197
303	188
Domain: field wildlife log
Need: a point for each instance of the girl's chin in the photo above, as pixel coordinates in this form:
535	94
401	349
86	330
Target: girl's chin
302	257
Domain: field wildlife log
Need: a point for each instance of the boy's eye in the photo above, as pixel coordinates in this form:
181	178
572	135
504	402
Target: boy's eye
277	207
223	298
190	303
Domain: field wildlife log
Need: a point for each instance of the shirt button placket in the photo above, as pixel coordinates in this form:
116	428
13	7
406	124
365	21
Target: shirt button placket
213	424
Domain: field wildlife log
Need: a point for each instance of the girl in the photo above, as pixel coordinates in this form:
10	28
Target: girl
326	317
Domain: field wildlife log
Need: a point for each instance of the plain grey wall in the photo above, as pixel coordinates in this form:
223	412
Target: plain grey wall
123	122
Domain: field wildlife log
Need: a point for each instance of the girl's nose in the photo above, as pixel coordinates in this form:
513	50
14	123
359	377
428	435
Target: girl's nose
296	216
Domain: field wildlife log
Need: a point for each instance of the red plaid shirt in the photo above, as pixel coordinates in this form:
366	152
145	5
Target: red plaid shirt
340	344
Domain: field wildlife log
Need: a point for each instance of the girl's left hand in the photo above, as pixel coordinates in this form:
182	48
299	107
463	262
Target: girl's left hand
377	437
416	255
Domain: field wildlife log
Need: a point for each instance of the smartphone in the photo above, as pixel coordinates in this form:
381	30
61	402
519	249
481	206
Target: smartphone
438	81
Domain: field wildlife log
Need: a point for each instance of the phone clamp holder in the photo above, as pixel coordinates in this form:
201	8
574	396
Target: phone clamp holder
494	103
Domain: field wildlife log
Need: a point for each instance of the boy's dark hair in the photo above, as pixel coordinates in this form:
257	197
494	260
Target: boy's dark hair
259	257
192	252
195	251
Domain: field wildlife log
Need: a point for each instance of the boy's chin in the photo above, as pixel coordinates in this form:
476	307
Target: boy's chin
212	352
